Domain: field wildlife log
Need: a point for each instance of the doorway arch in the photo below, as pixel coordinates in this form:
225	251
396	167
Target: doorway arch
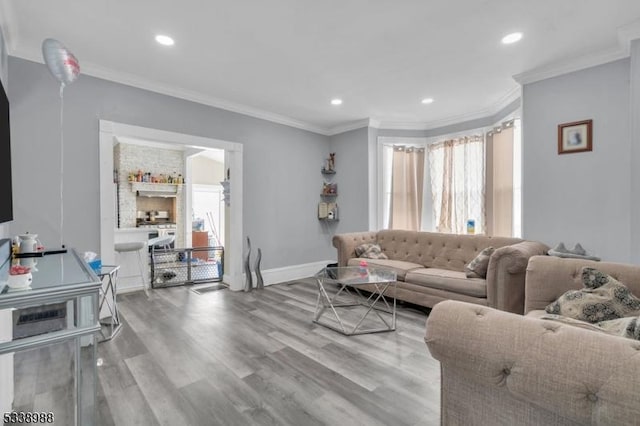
110	130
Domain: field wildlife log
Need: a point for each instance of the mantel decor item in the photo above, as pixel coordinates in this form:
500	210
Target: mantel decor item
575	137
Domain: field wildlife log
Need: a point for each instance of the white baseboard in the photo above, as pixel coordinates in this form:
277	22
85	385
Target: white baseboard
293	272
270	276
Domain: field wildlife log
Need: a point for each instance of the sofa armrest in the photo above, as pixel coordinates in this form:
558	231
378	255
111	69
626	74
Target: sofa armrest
580	375
506	275
548	277
346	244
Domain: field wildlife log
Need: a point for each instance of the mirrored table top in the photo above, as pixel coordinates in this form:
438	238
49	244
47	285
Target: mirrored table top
51	273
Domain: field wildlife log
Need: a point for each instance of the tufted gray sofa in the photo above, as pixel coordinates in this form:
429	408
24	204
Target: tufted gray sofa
430	266
505	369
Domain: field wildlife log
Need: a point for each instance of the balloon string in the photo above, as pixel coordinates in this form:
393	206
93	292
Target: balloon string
61	165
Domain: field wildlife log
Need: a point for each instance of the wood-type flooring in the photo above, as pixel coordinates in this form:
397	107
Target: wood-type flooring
227	358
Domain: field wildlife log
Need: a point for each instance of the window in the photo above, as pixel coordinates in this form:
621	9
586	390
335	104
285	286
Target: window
471	176
457	174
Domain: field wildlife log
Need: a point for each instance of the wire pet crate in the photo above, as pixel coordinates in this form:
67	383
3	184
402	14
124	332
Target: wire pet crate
172	267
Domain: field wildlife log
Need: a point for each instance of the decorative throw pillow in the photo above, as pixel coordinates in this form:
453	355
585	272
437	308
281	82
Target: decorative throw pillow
477	268
370	251
603	299
624	327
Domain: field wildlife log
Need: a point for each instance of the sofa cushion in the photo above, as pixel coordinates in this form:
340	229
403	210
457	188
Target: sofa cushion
444	279
602	299
370	251
477	268
398	266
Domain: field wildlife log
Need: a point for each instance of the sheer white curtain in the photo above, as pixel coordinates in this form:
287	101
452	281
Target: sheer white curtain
457	171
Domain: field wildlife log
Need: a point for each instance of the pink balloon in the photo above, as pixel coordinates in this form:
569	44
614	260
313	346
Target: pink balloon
62	64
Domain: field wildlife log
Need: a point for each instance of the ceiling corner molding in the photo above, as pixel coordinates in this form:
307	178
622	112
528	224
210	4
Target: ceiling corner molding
628	33
503	102
506	100
374	122
178	92
565	67
348	127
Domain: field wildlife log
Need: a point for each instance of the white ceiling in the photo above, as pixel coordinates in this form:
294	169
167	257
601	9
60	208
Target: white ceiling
285	60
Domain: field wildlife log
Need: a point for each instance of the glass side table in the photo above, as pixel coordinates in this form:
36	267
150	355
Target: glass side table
111	325
344	307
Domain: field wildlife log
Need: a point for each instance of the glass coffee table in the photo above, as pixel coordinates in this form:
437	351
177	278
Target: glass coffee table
342	306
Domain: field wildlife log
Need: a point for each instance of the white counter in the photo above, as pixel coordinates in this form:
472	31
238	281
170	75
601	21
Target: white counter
133	230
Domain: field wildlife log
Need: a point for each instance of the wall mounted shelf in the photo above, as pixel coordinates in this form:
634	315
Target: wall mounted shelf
158	187
327	207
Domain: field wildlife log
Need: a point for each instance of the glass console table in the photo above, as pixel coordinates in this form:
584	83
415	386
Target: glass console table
48	346
343	307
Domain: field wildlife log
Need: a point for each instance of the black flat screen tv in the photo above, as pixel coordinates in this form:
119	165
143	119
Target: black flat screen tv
6	193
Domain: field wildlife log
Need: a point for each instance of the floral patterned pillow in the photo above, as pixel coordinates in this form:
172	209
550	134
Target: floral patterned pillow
603	299
477	268
624	327
370	251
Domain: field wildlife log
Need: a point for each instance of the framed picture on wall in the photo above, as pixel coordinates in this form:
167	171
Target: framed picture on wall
575	137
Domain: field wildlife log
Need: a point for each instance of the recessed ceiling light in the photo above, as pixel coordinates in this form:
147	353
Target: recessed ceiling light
511	38
336	101
164	40
427	101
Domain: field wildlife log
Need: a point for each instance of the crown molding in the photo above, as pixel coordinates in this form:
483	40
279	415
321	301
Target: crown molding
628	33
507	99
349	126
576	64
177	92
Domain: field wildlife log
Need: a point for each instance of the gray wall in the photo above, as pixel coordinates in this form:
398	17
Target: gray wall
352	176
581	197
281	182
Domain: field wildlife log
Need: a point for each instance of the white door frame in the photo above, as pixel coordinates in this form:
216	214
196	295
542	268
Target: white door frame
110	130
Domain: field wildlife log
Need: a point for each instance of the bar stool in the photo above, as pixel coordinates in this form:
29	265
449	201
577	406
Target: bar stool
163	242
137	246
